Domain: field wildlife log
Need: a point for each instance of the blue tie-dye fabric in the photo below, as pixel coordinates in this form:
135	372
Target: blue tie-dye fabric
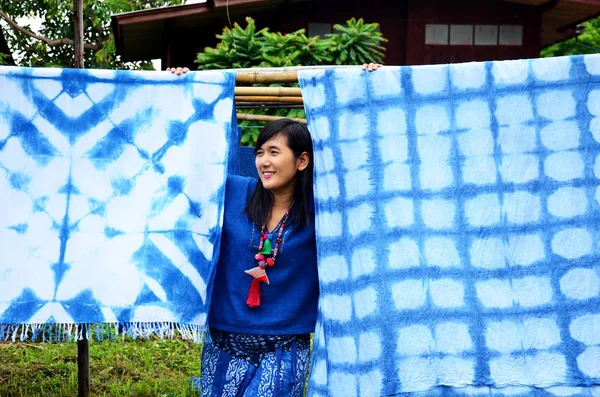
111	199
457	228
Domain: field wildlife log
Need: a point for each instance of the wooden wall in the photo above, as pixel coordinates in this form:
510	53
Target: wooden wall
403	23
487	12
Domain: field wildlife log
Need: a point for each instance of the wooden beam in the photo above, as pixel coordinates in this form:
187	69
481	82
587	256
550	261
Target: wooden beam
83	347
593	3
158	14
234	3
83	365
78	42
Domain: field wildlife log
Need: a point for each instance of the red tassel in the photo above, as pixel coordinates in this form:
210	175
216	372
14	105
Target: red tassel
254	293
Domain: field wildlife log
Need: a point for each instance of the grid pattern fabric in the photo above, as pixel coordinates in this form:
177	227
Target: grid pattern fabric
457	228
111	199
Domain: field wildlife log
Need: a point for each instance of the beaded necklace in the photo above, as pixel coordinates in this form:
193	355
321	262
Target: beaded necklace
266	257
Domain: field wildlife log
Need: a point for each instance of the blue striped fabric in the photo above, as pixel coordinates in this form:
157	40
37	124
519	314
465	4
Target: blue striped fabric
457	228
111	199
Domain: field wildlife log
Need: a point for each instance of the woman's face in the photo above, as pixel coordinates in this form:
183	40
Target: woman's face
277	166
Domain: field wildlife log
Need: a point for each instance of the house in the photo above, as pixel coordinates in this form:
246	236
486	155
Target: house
419	31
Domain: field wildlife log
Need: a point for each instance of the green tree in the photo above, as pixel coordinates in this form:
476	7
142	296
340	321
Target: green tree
52	45
587	42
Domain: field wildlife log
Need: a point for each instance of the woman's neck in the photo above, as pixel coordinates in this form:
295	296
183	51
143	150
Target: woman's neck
283	199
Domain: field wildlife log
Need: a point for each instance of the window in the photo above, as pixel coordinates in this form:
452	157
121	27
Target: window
461	34
436	34
442	34
319	29
486	34
511	35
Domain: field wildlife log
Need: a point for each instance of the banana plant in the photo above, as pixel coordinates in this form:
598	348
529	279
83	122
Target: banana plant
239	48
294	49
357	42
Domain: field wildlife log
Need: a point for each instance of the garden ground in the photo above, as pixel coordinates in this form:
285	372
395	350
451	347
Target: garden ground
133	368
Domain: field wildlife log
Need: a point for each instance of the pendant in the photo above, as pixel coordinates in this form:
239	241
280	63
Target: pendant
259	273
266	247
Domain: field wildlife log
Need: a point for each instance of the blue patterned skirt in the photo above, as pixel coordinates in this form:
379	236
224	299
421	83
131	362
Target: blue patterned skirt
244	365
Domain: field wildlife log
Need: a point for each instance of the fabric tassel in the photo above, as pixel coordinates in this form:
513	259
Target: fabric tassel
254	293
266	247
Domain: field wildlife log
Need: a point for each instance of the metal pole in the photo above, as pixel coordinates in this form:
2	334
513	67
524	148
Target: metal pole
83	348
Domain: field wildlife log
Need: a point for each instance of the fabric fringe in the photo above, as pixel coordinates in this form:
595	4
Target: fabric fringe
99	332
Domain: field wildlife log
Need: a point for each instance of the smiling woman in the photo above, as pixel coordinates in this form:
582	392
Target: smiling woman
277	165
264	300
284	161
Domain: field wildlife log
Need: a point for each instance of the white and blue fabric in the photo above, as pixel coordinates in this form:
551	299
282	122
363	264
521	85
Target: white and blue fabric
253	365
458	238
111	200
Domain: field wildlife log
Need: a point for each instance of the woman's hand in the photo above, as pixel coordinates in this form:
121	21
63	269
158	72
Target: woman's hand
371	66
178	71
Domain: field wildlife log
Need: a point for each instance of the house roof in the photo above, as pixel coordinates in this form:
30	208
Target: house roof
4	49
561	17
140	35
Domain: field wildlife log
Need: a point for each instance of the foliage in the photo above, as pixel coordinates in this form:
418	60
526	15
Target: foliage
587	43
133	368
3	58
249	130
57	23
357	43
353	44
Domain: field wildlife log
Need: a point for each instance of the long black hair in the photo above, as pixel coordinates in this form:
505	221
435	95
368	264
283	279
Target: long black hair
299	141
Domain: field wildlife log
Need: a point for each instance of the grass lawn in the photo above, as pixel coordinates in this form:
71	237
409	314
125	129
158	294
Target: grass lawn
134	368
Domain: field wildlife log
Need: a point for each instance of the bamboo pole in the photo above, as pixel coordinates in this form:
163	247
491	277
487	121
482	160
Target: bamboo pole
288	74
282	99
268	91
290	68
262	97
266	77
268	105
262	117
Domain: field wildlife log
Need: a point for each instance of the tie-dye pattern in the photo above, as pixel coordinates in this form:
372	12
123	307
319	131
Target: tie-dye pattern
111	199
457	228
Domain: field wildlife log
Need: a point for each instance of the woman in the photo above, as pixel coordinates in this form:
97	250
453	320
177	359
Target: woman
264	298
